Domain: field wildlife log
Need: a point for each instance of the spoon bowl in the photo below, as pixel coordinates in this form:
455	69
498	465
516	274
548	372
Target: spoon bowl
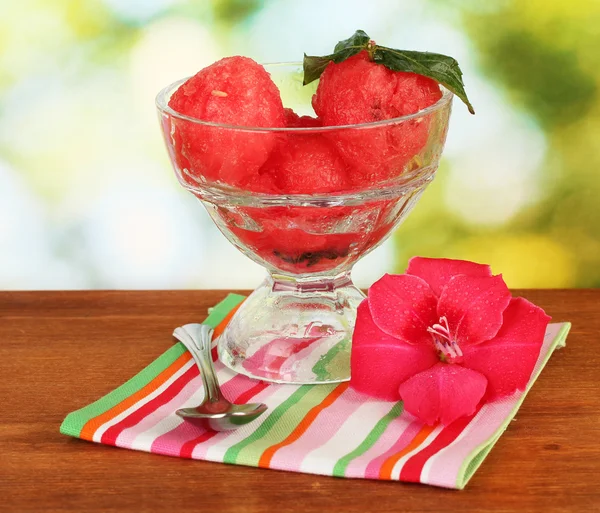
215	413
235	416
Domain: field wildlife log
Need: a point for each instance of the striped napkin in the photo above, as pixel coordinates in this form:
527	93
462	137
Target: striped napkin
319	429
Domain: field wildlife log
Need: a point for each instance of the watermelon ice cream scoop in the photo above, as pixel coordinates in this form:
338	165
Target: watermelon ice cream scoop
234	91
307	164
358	91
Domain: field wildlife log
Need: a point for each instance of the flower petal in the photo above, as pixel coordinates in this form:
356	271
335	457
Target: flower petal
379	362
366	332
443	393
507	361
403	306
438	271
473	307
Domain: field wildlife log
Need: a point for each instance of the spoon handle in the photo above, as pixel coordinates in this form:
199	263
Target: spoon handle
197	338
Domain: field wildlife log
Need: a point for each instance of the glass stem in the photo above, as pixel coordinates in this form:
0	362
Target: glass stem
310	284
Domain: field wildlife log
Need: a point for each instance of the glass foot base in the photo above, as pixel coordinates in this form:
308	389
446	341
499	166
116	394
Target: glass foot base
294	331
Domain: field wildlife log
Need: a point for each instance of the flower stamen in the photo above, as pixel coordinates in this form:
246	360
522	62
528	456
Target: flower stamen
443	340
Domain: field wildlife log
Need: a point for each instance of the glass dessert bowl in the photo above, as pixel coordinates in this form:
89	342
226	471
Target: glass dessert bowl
296	327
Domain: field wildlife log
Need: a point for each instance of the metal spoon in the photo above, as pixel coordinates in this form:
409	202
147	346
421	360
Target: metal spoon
215	413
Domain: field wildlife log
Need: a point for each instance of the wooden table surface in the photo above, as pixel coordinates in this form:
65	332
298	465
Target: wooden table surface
58	353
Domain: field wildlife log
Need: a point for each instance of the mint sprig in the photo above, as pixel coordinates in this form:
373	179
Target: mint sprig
441	68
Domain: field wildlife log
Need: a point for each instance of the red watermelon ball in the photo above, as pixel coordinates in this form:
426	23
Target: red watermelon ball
358	90
306	164
233	91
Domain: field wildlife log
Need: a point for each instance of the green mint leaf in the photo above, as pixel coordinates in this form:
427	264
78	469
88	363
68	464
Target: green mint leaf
441	68
315	65
358	40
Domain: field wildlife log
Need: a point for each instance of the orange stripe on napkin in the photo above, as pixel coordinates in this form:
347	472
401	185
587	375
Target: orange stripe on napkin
265	459
388	465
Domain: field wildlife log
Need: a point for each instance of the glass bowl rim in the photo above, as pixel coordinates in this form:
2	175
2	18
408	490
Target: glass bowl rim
221	194
165	93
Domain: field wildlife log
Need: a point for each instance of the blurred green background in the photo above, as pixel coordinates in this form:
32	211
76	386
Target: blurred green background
88	200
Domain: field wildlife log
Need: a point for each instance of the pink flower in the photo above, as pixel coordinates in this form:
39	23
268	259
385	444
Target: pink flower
444	336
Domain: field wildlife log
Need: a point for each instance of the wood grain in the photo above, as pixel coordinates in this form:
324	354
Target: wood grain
58	352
